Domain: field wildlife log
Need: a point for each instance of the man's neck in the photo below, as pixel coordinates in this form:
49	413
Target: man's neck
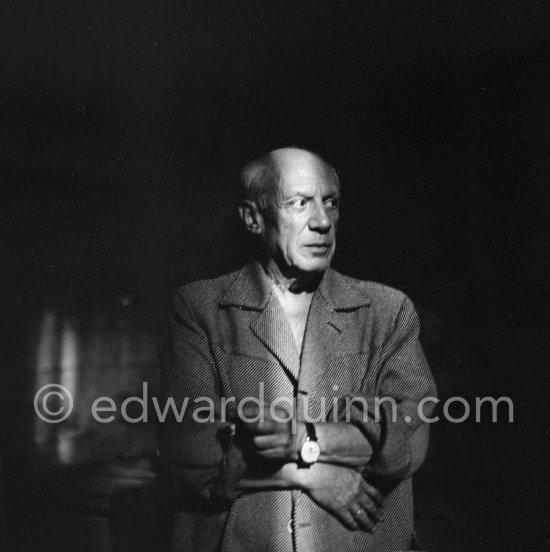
293	283
295	296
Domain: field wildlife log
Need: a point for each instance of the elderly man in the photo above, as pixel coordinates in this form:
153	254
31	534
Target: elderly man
315	382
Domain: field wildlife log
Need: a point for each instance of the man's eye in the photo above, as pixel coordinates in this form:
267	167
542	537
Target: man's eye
298	202
332	203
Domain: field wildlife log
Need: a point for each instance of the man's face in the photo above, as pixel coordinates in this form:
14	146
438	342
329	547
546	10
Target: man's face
300	222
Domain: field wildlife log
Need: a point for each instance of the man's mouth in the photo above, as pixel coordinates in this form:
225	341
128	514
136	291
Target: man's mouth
318	246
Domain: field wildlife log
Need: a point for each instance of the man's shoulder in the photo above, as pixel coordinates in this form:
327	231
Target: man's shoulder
207	291
382	305
376	293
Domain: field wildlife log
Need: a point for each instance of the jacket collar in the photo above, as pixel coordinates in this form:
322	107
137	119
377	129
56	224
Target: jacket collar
251	290
340	293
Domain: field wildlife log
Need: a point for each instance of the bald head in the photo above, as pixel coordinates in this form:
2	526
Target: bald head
260	178
292	156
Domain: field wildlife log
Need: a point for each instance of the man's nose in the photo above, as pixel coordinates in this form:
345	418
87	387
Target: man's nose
319	220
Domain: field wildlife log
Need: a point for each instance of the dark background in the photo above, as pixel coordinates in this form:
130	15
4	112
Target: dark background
124	128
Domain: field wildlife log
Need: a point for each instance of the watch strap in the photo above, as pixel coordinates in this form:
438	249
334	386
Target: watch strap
310	431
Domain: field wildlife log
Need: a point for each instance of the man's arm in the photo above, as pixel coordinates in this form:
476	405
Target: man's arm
194	441
393	420
341	442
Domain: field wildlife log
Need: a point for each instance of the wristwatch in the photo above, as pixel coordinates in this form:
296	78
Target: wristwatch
310	451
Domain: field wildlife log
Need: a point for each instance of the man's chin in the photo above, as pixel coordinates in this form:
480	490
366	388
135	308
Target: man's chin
314	266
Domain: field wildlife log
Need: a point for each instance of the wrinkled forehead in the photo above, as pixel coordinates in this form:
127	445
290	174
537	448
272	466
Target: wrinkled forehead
298	171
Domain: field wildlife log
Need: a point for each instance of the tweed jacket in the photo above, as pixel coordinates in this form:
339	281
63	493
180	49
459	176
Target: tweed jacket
230	340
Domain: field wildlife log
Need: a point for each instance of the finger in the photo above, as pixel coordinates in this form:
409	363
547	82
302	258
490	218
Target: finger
279	414
370	507
264	442
374	493
363	519
272	454
271	446
265	427
348	520
259	426
251	412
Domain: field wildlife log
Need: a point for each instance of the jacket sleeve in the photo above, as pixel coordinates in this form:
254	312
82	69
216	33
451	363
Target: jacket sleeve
195	439
394	420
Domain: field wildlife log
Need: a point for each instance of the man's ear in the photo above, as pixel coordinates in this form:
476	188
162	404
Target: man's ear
251	216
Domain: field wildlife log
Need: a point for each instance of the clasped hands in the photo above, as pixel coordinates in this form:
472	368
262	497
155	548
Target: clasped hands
341	490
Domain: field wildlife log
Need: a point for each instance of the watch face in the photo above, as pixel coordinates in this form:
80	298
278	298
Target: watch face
310	452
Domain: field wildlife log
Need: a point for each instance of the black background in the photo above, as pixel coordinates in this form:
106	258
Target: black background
125	125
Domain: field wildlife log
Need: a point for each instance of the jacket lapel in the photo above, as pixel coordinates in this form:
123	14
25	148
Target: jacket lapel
321	342
327	322
251	290
273	330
